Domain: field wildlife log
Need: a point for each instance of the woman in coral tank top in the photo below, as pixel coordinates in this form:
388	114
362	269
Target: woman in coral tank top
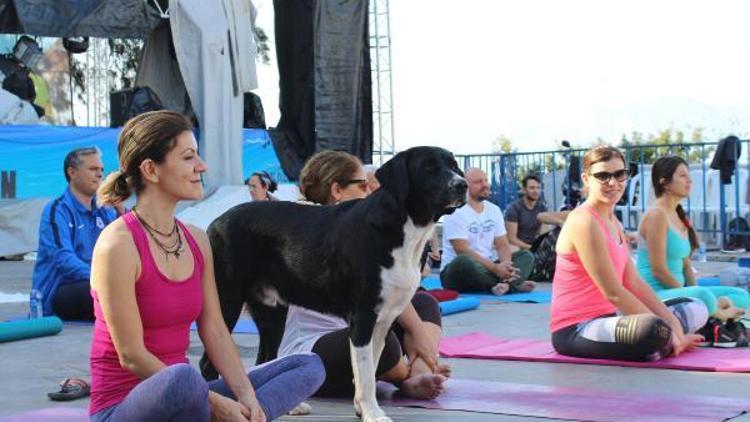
601	308
152	276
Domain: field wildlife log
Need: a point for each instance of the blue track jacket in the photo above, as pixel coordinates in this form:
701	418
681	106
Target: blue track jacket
67	234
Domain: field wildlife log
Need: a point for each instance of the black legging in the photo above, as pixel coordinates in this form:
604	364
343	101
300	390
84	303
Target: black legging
641	337
73	302
333	349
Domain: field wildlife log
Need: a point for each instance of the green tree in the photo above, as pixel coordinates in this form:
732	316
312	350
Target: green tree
263	50
666	141
503	145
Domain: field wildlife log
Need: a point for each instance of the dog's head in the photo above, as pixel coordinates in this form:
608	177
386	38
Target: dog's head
426	181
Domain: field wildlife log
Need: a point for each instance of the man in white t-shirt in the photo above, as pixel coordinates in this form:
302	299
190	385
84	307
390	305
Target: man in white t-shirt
477	255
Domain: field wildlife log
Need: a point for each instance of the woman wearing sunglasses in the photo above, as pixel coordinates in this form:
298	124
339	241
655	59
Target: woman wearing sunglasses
601	308
330	177
668	240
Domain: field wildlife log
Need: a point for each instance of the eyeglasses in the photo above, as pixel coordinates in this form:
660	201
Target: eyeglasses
361	182
605	176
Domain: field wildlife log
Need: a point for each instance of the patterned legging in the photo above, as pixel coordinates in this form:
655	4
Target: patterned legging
640	337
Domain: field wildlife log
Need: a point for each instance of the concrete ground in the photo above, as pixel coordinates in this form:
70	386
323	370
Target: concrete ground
31	368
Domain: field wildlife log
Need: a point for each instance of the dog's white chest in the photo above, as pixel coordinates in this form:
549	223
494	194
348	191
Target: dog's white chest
402	279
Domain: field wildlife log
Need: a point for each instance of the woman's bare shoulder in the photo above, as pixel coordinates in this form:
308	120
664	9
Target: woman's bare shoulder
115	239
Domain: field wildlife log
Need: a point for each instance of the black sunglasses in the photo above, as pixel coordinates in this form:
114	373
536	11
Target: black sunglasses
605	176
361	182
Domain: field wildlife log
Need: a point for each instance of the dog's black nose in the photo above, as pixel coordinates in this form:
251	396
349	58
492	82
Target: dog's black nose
458	185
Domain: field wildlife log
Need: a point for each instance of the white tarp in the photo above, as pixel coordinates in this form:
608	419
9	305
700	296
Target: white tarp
201	214
19	225
14	111
208	44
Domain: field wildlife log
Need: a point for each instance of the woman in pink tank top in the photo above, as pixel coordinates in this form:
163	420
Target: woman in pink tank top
152	276
601	308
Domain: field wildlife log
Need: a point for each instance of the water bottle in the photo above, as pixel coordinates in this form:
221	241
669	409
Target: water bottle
35	304
702	252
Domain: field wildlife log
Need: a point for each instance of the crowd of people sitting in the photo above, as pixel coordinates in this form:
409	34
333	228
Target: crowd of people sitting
143	277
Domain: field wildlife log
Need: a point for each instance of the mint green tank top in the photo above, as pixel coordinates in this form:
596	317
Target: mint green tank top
678	248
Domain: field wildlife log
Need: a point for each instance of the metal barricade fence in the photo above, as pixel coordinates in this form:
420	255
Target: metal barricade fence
711	205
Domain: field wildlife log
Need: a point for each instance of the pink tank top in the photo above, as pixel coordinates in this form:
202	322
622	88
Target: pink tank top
575	296
167	308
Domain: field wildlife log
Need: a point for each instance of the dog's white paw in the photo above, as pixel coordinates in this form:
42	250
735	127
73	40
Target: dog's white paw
376	414
301	409
377	419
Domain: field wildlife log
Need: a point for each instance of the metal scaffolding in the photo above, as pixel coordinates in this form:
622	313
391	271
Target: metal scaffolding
384	142
97	67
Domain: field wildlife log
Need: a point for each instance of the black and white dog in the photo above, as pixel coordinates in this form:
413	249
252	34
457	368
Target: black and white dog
358	260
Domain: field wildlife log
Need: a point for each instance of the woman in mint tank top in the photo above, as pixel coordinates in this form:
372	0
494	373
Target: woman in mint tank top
667	240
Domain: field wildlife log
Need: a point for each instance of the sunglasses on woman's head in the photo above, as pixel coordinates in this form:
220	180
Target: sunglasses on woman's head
605	176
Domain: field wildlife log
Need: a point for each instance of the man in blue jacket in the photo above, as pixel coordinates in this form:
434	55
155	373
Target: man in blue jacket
68	231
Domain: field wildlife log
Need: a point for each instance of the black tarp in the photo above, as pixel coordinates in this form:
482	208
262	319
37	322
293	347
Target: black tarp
325	88
8	19
75	18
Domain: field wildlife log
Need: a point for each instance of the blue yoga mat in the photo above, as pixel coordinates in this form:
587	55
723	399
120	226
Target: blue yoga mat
244	326
458	305
708	281
431	283
533	297
29	328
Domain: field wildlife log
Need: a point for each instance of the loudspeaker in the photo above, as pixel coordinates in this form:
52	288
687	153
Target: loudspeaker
76	45
128	103
27	50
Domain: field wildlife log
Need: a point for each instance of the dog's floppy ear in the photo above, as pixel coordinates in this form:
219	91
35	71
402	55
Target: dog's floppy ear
394	176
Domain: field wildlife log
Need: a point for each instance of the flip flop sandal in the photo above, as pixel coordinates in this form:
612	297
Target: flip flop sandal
71	389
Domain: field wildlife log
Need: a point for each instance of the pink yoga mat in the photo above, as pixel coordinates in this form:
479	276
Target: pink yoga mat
52	414
485	346
575	403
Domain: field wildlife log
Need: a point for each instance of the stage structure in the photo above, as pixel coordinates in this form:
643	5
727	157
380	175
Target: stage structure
202	60
384	140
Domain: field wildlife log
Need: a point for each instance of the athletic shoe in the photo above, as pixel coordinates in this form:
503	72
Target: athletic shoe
725	335
740	331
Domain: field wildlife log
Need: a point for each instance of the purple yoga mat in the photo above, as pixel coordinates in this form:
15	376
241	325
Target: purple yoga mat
485	346
575	403
52	414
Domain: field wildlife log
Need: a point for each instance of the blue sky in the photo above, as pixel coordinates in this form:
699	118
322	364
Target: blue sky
542	71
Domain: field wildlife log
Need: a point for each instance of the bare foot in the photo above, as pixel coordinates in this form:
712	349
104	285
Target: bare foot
526	286
723	302
444	370
500	289
731	312
425	386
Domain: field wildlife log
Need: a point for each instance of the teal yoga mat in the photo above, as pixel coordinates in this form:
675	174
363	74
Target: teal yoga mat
458	305
28	328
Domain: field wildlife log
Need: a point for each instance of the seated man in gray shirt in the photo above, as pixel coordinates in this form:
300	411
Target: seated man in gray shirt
524	217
